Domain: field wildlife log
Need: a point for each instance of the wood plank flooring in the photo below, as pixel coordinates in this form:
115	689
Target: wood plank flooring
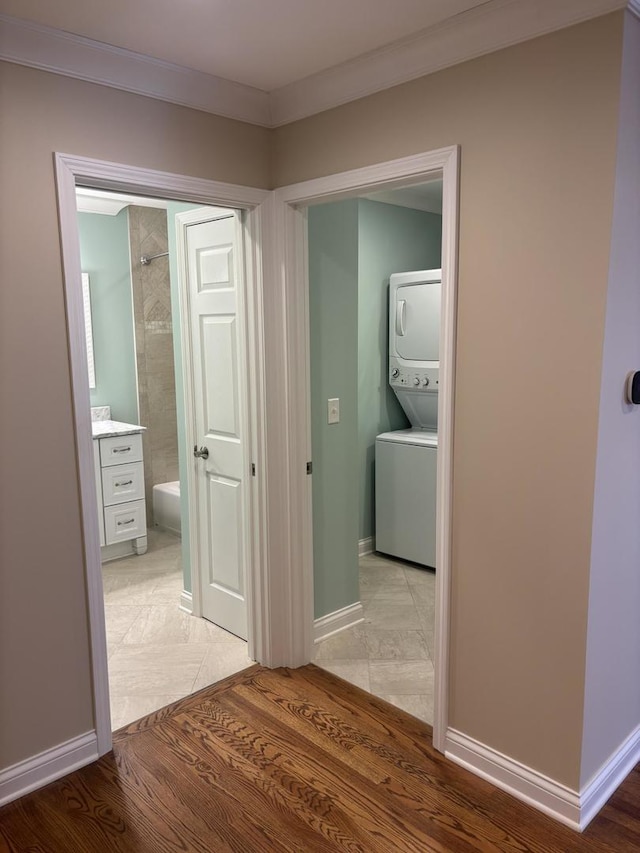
297	761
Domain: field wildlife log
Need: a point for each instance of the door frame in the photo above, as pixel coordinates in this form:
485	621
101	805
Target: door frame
289	226
72	171
249	426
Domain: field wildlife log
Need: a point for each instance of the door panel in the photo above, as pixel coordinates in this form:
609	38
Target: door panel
219	378
220	374
225	516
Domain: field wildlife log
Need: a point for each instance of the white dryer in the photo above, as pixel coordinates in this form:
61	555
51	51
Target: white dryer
406	460
406	464
414	344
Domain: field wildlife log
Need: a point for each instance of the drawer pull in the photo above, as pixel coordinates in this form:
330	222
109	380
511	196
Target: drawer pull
122	523
121	449
123	483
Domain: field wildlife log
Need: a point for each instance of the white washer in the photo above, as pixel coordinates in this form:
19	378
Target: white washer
406	463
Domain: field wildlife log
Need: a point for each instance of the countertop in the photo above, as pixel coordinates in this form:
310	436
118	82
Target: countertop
106	429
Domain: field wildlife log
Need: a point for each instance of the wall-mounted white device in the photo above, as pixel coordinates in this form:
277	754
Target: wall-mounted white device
633	388
414	344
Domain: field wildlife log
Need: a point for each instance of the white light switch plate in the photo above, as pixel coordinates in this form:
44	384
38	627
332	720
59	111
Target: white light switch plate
333	410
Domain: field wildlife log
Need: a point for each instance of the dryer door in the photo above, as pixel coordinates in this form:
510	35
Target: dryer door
416	326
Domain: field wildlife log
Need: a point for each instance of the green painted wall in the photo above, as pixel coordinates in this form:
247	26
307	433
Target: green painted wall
333	314
104	253
354	246
390	239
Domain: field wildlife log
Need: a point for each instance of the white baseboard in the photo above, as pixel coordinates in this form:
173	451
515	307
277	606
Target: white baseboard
339	620
186	601
52	764
612	773
574	809
524	783
366	546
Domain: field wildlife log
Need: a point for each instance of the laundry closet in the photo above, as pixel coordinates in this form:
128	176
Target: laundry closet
354	248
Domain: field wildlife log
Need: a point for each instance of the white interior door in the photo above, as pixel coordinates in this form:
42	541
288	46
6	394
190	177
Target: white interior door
216	290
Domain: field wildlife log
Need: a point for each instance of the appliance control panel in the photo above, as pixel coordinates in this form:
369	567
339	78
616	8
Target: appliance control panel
415	378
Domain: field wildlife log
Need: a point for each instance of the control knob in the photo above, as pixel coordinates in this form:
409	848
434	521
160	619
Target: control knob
416	380
395	373
425	381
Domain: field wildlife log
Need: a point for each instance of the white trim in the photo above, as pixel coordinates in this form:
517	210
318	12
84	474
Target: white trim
70	171
558	801
339	620
366	546
597	791
64	53
574	809
481	30
292	311
186	602
47	766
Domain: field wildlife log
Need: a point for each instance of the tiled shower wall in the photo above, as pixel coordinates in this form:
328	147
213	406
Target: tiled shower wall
154	348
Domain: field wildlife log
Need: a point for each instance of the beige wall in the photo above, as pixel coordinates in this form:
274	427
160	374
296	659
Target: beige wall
537	126
537	129
45	684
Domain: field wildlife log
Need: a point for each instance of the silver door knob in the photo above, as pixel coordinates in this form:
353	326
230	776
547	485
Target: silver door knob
203	453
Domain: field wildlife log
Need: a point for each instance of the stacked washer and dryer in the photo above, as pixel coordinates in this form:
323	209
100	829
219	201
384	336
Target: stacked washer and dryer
406	460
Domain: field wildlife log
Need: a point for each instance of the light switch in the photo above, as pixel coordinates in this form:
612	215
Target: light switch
333	410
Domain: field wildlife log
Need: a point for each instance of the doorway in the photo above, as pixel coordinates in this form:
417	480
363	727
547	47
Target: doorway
291	225
142	426
75	172
373	608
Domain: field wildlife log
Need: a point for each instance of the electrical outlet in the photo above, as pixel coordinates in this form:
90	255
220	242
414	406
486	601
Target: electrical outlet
333	410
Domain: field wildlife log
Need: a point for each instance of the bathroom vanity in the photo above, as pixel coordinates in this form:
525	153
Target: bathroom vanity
119	470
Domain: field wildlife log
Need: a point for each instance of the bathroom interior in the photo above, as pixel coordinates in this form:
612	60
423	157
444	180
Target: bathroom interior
354	247
158	652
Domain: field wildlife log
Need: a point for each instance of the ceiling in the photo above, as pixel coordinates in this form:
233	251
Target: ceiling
271	62
266	44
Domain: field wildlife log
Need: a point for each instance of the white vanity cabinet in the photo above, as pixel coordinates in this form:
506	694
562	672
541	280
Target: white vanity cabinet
119	472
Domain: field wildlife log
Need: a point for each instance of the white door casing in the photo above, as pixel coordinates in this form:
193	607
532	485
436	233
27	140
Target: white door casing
214	289
288	215
72	171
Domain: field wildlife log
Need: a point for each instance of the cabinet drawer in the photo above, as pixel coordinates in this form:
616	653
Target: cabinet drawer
125	521
119	449
121	483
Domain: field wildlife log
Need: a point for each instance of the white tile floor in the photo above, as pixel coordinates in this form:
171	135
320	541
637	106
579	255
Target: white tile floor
390	654
157	652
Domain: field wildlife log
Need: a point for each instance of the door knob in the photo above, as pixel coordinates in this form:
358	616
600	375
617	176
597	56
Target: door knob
203	453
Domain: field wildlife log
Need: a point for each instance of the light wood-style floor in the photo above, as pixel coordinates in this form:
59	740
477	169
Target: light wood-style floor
298	761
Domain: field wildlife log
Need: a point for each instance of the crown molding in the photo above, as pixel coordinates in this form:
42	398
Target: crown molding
492	26
63	53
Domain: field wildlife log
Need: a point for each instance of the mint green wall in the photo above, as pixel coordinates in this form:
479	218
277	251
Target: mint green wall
354	246
333	315
104	253
390	239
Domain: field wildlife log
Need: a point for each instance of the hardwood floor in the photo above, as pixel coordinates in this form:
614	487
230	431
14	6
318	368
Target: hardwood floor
291	760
